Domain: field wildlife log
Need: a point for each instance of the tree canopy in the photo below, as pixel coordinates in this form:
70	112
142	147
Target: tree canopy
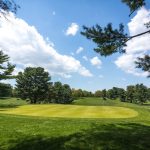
110	40
6	68
138	94
33	84
6	6
5	90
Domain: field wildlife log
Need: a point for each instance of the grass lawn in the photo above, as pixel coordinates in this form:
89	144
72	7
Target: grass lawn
72	111
20	130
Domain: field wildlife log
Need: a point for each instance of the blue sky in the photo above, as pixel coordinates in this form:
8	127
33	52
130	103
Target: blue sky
88	70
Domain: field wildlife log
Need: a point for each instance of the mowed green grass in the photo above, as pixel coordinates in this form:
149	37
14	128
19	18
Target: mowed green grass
72	111
26	132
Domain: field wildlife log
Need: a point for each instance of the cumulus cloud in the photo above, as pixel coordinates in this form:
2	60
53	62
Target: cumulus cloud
85	58
95	61
26	47
79	50
138	46
72	29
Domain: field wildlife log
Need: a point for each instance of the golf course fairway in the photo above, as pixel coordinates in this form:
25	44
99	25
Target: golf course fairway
71	111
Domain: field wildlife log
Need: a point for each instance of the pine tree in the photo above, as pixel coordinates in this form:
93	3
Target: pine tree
5	69
33	84
110	41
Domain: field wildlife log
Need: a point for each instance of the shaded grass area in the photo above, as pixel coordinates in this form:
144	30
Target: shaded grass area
111	137
57	134
41	133
6	102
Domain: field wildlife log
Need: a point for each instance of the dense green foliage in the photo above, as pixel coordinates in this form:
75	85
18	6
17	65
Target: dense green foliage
115	93
77	93
134	4
5	70
98	93
5	90
104	94
108	40
33	84
144	63
61	94
133	94
37	133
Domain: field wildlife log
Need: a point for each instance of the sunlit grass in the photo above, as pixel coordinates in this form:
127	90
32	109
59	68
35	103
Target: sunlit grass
72	111
26	131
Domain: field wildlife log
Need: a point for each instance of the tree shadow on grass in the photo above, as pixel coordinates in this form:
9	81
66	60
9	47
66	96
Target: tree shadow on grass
3	107
99	137
145	104
3	98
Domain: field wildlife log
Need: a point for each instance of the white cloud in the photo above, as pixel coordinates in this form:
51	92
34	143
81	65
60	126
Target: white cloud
26	47
72	29
85	58
95	61
79	50
138	46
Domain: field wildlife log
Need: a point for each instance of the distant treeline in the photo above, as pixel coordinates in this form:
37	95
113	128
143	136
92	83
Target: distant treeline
33	85
138	93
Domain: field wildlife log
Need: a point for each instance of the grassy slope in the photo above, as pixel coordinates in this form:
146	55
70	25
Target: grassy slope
37	133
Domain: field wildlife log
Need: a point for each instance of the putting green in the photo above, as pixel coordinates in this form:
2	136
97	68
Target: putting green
72	111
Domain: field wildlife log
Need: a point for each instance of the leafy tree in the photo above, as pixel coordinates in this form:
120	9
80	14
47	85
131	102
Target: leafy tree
104	94
122	94
67	94
98	93
80	93
58	92
74	93
15	92
87	93
50	94
5	90
110	41
148	94
115	93
33	84
62	94
134	4
144	63
110	94
77	93
140	94
130	93
6	6
5	69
